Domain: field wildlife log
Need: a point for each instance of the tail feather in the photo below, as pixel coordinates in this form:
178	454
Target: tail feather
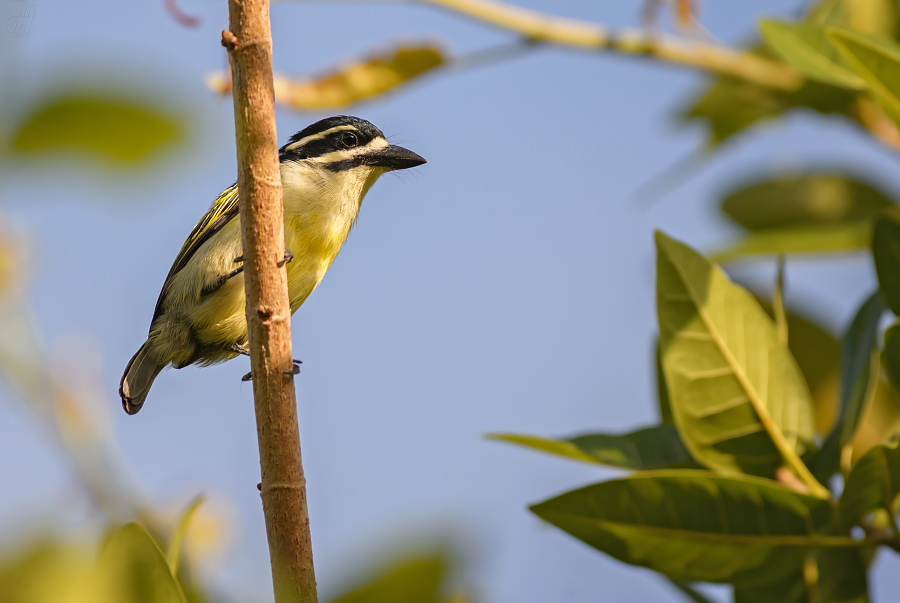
138	377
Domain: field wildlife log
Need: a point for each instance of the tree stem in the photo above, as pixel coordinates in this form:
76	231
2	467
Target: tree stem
585	35
283	487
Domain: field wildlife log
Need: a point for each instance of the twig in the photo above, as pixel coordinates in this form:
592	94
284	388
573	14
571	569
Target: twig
540	27
249	45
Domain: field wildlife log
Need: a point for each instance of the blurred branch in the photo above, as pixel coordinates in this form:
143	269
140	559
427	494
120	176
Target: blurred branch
283	486
539	27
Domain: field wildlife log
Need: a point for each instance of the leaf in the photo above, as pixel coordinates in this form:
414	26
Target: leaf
880	419
890	354
738	397
817	353
658	447
810	240
356	82
181	529
804	199
873	483
781	324
416	579
791	589
841	579
886	253
114	129
662	390
826	12
876	60
806	47
877	17
696	526
856	377
729	106
134	567
689	591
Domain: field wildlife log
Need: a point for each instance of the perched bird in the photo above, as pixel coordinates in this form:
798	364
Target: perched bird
326	170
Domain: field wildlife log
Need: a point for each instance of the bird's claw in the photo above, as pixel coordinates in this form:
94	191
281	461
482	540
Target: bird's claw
295	370
288	257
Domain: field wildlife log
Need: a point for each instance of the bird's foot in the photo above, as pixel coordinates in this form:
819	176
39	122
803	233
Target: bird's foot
288	258
295	369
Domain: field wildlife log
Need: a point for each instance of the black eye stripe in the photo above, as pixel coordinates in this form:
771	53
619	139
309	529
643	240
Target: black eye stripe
336	141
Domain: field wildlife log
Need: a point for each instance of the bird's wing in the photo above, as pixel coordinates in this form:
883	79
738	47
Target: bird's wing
222	211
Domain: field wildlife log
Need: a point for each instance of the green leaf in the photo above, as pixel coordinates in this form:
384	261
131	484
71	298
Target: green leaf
416	579
135	569
809	240
817	353
890	354
842	574
873	483
184	522
781	323
826	12
856	376
658	447
886	253
696	526
689	591
877	61
730	106
738	397
841	579
807	48
662	390
804	199
877	17
117	130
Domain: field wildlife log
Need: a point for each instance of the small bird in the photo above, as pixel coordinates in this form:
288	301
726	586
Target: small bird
326	170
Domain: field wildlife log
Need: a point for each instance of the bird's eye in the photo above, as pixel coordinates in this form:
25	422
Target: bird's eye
349	139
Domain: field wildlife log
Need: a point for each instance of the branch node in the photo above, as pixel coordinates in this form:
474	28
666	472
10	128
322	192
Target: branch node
229	40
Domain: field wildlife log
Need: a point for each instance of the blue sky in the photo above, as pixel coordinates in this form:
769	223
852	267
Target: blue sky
507	285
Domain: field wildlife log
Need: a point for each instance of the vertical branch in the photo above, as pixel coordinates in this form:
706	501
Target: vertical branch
283	486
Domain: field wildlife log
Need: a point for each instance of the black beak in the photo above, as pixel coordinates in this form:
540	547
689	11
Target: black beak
394	158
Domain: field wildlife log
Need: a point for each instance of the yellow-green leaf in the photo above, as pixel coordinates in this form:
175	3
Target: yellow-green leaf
877	61
658	447
134	567
693	525
857	381
354	83
874	483
184	522
850	236
417	579
109	127
886	253
890	354
807	48
804	199
738	397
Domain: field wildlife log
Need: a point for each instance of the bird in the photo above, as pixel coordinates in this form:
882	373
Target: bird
326	171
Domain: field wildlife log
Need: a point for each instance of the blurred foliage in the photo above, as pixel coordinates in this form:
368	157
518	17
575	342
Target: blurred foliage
658	447
356	82
420	578
112	129
805	199
758	411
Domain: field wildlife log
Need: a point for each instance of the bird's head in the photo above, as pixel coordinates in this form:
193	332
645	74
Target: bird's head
345	148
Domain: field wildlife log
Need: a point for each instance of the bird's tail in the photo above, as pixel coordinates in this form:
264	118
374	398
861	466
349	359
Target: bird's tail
142	369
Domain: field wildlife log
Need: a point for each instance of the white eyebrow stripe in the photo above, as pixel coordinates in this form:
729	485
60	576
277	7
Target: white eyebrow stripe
343	155
312	137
